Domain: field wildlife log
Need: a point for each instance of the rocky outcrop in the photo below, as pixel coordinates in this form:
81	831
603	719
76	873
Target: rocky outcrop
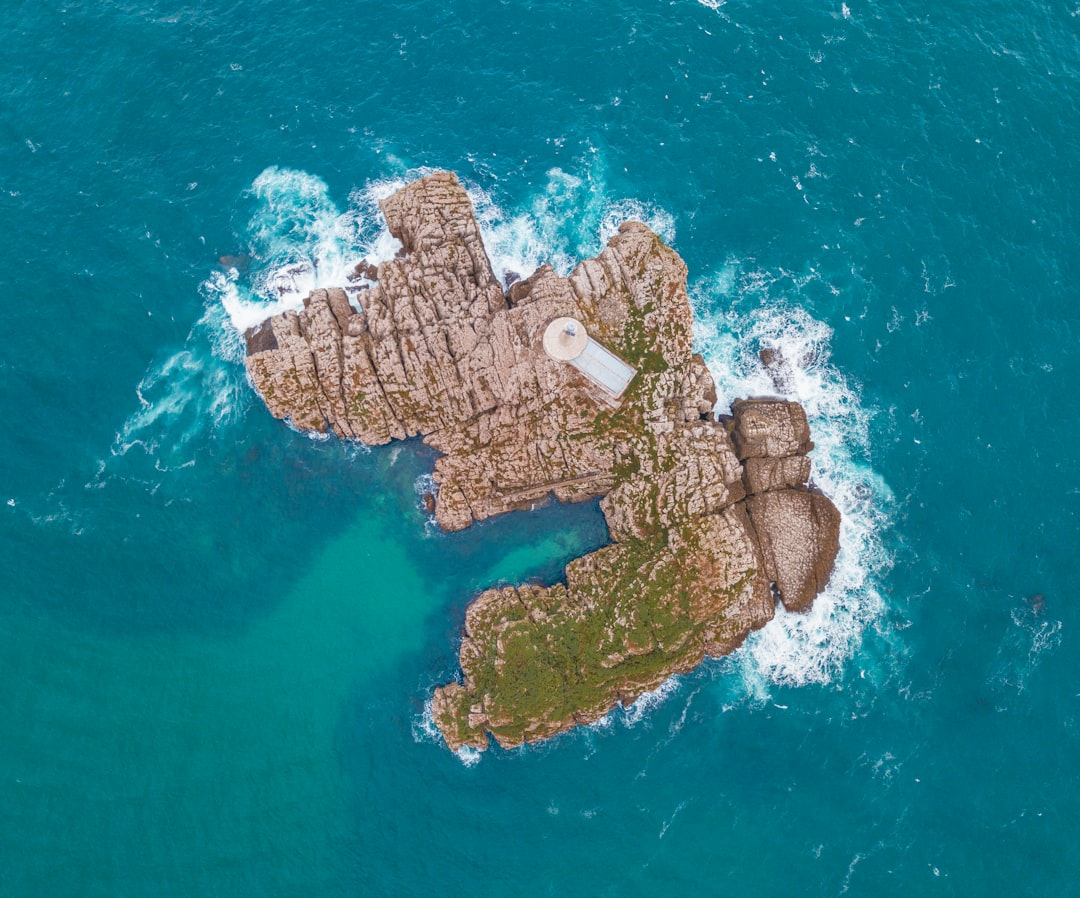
709	519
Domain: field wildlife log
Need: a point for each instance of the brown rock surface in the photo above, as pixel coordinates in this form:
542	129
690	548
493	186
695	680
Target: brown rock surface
767	428
704	515
799	535
763	474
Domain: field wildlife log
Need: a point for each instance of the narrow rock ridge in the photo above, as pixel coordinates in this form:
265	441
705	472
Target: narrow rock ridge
710	519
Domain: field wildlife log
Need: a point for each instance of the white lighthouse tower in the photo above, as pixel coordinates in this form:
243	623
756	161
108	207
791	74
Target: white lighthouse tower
566	340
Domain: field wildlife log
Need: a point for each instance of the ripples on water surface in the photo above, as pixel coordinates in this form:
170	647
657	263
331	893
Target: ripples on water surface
219	636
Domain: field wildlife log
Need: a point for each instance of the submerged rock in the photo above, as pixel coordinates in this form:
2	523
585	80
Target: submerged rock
707	517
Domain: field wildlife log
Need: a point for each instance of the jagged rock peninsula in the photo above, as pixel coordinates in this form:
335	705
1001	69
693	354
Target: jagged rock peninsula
575	387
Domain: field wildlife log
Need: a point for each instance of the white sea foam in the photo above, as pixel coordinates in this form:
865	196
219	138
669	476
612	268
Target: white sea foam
470	757
570	219
739	311
425	730
423	725
426	485
1028	640
245	312
298	241
196	389
657	218
648	702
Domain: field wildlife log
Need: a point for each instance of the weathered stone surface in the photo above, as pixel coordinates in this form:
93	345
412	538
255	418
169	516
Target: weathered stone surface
770	428
705	515
763	473
799	535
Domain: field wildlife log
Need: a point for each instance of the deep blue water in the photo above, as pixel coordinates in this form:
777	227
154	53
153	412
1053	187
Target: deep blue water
218	636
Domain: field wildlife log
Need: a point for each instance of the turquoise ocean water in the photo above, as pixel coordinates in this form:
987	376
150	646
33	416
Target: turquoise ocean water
218	637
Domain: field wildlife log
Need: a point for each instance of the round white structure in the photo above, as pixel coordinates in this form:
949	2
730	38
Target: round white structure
565	339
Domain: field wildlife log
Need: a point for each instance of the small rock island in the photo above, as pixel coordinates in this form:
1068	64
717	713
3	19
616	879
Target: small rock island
578	387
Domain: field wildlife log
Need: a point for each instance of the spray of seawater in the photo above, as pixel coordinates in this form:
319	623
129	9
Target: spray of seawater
298	240
740	311
569	219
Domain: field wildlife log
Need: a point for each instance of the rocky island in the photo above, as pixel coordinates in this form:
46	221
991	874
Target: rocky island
578	387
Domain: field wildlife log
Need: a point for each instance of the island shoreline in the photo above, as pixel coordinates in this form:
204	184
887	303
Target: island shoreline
579	387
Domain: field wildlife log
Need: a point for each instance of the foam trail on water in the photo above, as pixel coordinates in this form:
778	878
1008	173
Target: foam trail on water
738	312
198	388
1030	638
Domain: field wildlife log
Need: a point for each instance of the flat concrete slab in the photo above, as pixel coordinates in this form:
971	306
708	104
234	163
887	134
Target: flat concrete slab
605	368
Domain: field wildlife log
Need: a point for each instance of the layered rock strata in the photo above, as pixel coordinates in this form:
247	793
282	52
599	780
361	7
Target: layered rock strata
711	520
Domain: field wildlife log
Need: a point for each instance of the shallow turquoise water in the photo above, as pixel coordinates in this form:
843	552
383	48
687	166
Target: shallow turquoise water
217	636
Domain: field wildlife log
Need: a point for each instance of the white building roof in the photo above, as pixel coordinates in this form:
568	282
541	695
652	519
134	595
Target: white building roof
566	340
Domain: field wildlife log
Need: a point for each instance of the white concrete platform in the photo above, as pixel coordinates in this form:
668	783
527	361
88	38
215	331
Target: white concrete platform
604	368
566	340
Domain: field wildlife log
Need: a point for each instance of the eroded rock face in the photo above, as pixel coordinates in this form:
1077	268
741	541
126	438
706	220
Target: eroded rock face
707	517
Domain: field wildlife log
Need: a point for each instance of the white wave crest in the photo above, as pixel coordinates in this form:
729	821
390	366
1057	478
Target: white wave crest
299	241
648	702
658	219
811	647
298	233
570	219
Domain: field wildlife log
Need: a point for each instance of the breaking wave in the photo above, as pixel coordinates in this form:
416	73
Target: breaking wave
297	241
570	219
738	312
